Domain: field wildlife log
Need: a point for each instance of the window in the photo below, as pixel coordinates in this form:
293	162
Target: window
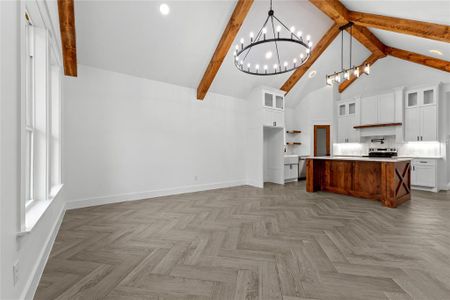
41	123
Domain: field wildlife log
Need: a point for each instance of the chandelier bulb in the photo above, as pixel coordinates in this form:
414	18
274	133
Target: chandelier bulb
299	34
302	55
308	50
308	37
356	72
278	28
292	29
237	47
294	61
257	67
310	44
252	35
248	65
242	40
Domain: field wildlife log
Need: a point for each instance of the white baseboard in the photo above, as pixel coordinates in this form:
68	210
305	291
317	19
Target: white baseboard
94	201
33	282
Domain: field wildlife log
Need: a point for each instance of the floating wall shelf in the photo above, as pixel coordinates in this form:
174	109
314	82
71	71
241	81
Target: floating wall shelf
377	125
293	131
293	143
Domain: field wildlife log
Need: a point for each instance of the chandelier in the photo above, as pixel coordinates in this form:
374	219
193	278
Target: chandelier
345	74
267	43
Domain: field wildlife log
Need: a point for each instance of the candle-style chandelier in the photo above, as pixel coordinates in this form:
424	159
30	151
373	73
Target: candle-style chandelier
271	35
345	74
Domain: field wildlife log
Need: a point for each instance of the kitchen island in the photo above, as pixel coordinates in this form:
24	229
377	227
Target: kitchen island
382	179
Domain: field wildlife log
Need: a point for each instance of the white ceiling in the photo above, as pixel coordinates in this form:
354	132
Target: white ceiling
420	10
132	37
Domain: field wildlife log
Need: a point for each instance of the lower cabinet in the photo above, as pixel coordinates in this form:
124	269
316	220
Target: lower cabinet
424	174
291	172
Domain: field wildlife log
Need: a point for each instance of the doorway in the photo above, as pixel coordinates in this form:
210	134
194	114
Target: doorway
322	140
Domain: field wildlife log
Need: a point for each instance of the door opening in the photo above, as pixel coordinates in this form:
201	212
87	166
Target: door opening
322	140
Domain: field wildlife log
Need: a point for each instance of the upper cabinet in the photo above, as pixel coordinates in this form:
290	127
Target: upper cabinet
421	115
378	109
347	119
273	100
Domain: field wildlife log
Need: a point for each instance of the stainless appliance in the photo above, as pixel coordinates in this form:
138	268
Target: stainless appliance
382	152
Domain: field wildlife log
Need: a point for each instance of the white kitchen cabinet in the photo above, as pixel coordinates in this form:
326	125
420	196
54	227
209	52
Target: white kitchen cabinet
378	109
421	115
369	110
386	108
424	174
291	172
273	100
412	124
273	118
347	119
428	121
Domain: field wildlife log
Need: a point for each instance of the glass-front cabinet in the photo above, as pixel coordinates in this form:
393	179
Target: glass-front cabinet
273	100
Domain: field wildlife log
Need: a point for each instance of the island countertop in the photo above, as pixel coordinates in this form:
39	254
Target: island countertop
362	158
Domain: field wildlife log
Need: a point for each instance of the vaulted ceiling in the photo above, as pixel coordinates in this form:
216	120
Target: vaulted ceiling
132	37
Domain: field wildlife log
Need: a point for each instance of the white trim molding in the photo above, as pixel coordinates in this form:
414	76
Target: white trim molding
38	270
94	201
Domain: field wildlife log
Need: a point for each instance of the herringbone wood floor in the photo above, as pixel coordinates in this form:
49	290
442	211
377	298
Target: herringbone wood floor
247	243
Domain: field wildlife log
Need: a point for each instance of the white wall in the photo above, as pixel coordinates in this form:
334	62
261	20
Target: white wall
29	249
131	138
316	108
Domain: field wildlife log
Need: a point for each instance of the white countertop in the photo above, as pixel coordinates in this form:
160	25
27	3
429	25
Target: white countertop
360	158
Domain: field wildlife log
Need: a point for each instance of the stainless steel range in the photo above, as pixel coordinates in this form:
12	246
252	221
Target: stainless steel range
382	152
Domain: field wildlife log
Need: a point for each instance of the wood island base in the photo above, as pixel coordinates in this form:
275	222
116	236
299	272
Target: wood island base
388	180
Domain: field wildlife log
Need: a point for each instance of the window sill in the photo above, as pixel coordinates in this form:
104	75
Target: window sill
35	212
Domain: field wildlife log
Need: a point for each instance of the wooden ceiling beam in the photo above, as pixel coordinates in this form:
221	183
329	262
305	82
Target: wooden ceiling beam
66	13
370	60
426	30
340	14
234	24
324	42
417	58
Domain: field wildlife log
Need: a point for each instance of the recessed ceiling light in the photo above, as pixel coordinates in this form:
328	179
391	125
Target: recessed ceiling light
436	52
312	74
164	9
268	54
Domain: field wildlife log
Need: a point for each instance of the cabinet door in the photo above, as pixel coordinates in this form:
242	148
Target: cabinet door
342	110
428	97
412	99
425	176
279	102
268	100
369	110
342	129
412	124
386	108
414	175
353	134
428	123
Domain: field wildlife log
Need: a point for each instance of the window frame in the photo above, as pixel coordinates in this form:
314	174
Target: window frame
38	188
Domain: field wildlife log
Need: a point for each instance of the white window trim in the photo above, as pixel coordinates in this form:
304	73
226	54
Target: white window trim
31	211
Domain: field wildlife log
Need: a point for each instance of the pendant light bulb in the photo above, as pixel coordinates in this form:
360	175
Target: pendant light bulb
367	69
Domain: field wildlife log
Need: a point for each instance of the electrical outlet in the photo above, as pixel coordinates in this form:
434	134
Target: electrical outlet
16	272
